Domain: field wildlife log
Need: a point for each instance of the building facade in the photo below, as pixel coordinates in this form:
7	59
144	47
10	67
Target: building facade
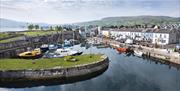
155	36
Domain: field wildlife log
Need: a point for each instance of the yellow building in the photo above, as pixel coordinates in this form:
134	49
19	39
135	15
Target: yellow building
106	33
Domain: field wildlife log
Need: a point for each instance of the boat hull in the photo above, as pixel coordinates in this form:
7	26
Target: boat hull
120	49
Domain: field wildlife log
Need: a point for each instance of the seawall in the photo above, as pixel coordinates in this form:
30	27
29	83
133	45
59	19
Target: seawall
58	75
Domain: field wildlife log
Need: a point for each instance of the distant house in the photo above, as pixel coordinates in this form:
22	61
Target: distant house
105	33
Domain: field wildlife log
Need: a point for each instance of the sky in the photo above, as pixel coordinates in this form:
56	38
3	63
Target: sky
71	11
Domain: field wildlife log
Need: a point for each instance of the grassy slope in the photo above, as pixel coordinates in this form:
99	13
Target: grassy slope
14	64
27	33
36	33
158	20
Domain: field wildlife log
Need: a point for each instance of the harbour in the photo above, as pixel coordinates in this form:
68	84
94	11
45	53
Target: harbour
155	53
128	72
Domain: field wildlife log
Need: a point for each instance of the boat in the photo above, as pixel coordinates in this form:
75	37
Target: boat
36	53
52	47
138	53
121	49
44	48
67	52
62	52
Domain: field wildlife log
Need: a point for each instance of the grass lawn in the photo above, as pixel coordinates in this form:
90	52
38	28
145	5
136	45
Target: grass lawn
36	33
15	64
8	40
3	35
27	33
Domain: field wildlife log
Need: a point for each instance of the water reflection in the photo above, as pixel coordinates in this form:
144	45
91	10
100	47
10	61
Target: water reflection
125	73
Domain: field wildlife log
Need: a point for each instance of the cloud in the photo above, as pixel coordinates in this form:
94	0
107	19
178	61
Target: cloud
68	11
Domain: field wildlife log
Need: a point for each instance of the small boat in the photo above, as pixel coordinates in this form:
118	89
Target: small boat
121	49
52	47
44	48
138	53
59	53
36	53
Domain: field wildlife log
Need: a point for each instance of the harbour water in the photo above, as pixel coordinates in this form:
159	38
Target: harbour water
125	73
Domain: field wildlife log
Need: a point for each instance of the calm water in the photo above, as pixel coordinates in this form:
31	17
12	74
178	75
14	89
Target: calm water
124	74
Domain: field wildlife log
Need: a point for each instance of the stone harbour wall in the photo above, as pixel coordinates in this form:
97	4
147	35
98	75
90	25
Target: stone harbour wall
55	72
11	49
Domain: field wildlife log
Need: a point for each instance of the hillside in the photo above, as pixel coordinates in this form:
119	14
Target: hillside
7	23
134	20
11	23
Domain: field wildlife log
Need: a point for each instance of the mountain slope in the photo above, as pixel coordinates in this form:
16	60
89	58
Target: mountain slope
13	24
134	20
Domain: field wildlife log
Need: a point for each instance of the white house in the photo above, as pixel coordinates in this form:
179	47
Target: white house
163	37
158	36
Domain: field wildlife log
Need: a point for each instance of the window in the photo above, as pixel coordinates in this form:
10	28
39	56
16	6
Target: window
164	36
163	41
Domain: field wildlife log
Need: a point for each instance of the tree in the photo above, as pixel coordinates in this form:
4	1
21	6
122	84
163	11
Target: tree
58	28
36	27
30	27
51	28
42	28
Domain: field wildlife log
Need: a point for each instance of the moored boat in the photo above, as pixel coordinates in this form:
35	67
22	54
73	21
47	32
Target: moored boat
44	48
138	53
36	53
122	49
62	52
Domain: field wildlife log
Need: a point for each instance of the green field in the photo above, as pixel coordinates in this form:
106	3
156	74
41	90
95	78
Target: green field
38	33
20	64
27	33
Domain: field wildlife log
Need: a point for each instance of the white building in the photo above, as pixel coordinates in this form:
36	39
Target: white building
163	37
158	36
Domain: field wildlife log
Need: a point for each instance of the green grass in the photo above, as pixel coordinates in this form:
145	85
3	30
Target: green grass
8	40
4	35
38	33
20	64
27	33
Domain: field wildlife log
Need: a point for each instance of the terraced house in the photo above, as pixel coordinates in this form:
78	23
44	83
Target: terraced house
151	35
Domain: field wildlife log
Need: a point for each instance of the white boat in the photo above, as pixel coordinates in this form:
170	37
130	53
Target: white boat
59	53
66	51
138	53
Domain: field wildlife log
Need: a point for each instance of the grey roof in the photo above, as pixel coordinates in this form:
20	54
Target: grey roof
149	30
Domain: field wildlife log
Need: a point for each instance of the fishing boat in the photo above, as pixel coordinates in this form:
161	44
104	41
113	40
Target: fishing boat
36	53
138	53
122	49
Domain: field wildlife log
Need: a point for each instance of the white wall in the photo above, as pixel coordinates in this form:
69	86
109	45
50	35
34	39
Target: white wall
160	38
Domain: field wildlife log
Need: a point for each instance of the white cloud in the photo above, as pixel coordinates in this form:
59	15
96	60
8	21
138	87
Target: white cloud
67	11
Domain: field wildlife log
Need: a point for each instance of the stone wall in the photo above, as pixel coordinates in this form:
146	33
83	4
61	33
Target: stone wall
11	49
80	70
